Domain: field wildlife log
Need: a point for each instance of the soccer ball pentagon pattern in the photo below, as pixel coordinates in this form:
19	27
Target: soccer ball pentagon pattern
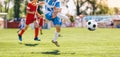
91	25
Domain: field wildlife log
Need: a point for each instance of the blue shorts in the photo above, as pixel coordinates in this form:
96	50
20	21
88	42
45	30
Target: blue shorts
56	20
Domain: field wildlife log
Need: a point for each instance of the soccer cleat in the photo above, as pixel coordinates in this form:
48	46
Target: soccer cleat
20	37
36	39
56	43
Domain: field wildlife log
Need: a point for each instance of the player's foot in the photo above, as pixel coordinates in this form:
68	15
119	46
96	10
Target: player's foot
20	37
36	39
56	43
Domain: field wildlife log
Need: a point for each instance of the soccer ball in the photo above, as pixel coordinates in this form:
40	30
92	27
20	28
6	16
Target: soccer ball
91	25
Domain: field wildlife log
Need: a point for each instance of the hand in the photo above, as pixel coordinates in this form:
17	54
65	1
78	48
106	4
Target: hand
40	16
57	9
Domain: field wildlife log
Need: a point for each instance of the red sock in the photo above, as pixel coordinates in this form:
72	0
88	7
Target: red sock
22	31
36	32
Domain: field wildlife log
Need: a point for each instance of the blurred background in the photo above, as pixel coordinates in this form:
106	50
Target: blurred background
105	12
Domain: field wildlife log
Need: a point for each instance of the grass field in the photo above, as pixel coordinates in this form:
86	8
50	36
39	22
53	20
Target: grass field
76	42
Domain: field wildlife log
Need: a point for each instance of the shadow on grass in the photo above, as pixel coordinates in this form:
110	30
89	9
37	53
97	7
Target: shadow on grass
54	52
31	45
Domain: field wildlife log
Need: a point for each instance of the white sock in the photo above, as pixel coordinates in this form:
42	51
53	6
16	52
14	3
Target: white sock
55	36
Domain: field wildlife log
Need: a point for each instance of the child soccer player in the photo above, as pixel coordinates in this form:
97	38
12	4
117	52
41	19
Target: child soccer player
52	8
31	18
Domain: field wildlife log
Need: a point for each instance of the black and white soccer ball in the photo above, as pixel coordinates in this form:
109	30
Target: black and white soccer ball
91	25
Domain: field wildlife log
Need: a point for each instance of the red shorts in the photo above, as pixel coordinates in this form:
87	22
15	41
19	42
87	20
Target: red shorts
29	21
41	22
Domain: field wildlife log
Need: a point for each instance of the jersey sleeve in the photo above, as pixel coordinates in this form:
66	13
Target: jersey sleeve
57	5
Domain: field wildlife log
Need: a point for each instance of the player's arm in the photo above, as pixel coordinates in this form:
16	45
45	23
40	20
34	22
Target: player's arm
57	9
30	12
39	15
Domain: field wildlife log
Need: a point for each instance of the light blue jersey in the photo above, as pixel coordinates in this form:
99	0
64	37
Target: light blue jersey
49	5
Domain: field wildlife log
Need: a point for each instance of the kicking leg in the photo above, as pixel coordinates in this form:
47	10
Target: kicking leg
56	36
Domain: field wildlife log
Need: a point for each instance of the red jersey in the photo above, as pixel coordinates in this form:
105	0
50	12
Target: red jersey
31	17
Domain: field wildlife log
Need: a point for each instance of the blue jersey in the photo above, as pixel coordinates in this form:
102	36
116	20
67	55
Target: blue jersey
50	4
49	9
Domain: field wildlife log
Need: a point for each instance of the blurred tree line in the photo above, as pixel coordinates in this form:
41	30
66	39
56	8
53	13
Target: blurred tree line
18	10
92	8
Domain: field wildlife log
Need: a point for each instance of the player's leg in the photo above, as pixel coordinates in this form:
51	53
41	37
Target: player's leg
36	24
57	22
56	35
24	29
21	26
21	32
41	30
40	25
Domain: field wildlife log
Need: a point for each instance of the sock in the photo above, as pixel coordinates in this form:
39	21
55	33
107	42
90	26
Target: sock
21	32
36	32
55	36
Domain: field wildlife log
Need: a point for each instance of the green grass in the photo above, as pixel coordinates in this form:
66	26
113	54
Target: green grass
76	42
